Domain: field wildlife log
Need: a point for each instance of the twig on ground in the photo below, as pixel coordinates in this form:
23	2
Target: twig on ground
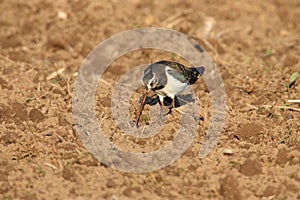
171	21
143	130
226	31
69	87
21	64
294	100
275	106
78	151
283	107
50	165
253	107
55	73
106	83
180	111
39	86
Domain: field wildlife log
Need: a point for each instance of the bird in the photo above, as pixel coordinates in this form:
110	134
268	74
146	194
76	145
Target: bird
168	79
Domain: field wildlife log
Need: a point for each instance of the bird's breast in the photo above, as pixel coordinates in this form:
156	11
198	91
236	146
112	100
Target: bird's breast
172	87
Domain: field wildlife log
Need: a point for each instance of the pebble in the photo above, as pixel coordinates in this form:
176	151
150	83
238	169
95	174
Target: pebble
228	152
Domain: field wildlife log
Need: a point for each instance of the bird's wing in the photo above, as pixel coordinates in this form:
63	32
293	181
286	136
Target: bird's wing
178	67
177	70
182	77
183	74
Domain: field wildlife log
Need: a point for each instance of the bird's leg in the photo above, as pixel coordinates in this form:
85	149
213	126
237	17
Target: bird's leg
161	100
173	101
163	107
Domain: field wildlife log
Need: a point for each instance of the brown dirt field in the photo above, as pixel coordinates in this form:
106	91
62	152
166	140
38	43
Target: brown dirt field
256	46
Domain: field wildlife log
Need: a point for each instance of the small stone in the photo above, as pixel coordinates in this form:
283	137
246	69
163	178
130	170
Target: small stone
230	188
150	20
131	190
114	197
251	167
228	152
62	15
111	183
36	115
270	191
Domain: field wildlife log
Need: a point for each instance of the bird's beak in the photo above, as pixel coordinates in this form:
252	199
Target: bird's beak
147	87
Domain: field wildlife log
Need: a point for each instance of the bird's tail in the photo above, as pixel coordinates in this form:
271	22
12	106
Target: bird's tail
199	70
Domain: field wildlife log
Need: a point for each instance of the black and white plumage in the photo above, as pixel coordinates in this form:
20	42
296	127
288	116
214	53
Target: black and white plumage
168	78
